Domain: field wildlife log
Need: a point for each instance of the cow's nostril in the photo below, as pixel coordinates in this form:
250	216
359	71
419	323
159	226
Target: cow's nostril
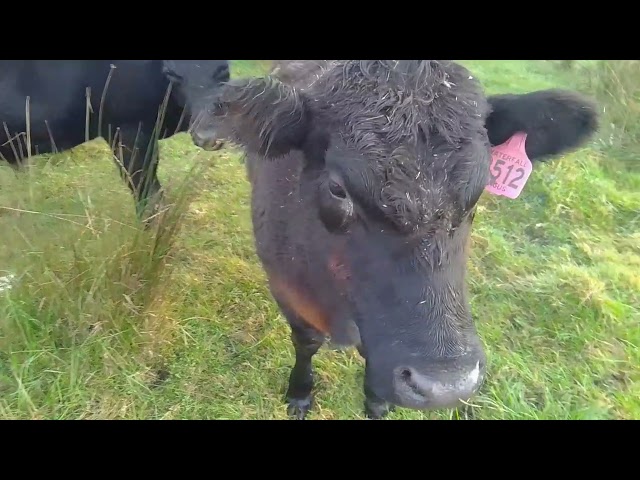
411	381
222	73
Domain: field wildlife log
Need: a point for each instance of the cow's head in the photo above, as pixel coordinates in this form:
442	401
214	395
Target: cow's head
196	83
396	155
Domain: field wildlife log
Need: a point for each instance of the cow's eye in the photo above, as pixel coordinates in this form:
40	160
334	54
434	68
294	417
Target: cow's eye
335	205
337	190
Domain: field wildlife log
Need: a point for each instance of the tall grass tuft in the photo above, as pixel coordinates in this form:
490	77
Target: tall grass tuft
86	285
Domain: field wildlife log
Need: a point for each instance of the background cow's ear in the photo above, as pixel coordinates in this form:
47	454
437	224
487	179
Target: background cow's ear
555	121
263	115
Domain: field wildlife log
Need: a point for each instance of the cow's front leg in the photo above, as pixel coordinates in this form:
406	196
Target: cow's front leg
306	341
375	408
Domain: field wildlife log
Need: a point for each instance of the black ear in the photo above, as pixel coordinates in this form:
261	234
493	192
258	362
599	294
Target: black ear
555	121
263	115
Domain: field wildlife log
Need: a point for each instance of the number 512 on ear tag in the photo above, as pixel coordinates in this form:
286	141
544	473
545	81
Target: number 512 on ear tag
510	167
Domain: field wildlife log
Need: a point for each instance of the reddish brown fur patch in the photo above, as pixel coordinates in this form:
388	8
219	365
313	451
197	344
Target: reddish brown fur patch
338	268
297	301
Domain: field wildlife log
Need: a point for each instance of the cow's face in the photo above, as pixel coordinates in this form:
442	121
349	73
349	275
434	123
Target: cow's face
395	157
196	82
397	253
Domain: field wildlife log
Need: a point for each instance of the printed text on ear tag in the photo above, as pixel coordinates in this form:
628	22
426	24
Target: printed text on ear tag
510	167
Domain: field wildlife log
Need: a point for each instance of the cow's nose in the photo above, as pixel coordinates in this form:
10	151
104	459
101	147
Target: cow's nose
415	389
198	139
206	140
222	73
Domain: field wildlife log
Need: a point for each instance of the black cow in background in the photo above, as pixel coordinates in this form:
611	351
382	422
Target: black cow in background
70	102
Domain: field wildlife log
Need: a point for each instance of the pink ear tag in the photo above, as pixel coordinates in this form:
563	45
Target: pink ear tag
510	167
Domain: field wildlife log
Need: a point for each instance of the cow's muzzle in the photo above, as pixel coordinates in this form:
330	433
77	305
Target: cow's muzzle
207	140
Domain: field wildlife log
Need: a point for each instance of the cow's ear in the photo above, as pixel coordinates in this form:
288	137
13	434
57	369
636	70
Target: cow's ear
262	115
555	121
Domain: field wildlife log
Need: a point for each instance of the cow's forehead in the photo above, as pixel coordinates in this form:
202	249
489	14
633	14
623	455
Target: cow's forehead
380	109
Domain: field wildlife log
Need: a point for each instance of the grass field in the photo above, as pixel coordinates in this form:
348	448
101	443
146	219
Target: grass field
104	322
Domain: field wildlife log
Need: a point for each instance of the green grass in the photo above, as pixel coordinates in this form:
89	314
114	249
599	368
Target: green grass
107	322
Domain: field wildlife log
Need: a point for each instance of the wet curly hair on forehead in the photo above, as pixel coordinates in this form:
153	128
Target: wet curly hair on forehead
420	124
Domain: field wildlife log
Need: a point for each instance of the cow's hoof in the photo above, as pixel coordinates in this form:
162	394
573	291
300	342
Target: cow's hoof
377	410
299	407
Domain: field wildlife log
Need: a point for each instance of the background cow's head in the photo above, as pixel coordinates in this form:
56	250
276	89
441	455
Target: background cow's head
394	156
195	82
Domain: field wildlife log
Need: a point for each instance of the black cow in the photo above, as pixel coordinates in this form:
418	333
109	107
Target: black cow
365	177
125	98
